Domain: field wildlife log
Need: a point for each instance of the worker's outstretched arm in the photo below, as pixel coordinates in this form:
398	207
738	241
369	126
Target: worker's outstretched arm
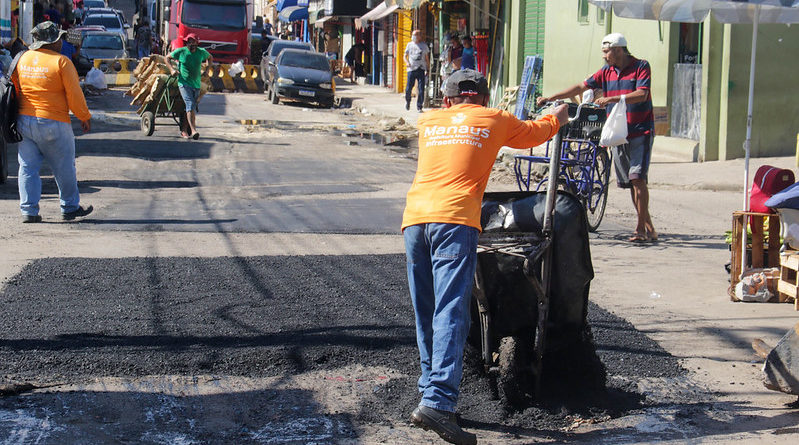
572	91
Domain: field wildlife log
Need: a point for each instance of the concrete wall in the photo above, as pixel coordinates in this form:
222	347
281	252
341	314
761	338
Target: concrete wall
775	121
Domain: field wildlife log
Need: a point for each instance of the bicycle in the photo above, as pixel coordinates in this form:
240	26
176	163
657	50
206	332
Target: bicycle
584	165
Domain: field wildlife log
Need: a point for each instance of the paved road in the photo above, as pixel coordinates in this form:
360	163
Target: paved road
248	288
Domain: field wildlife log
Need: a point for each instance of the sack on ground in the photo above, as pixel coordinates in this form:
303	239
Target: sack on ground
96	78
614	133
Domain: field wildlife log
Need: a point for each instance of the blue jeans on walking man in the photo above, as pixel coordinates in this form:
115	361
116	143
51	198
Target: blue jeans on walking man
416	75
54	141
441	260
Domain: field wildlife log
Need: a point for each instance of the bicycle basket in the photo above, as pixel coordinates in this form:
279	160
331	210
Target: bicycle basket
588	125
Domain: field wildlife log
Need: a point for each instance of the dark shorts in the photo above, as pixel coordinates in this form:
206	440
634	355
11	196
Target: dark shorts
631	160
190	97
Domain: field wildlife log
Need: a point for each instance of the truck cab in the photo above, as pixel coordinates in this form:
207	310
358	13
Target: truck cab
223	27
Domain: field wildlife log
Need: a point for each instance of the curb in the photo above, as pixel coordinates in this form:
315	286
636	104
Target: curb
124	119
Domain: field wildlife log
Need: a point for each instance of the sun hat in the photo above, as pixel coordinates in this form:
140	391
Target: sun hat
465	82
614	40
45	33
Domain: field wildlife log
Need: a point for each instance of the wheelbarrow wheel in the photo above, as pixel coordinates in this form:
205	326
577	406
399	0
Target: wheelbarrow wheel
148	123
515	382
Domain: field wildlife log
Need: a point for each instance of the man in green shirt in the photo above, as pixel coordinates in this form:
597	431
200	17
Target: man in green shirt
190	58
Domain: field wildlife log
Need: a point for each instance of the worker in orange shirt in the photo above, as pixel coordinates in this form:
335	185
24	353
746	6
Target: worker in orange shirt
48	88
457	149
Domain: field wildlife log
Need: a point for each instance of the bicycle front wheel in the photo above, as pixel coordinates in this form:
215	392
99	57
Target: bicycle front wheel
597	197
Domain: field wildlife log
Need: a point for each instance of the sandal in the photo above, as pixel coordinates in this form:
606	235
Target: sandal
652	236
638	238
195	136
184	135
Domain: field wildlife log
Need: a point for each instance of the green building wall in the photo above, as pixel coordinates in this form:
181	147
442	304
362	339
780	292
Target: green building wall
573	49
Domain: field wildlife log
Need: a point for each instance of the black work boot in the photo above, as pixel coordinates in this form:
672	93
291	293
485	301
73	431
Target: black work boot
80	212
442	423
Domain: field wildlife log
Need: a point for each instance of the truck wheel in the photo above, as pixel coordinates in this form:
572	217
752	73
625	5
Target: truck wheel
273	95
3	161
515	381
148	123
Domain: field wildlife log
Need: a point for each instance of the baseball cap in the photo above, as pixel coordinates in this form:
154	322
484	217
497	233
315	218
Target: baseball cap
465	82
614	40
45	33
191	35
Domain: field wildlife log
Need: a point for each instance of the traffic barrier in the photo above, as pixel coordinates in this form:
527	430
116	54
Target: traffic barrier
248	81
118	72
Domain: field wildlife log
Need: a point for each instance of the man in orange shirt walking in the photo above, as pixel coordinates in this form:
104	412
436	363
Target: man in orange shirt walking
48	88
457	149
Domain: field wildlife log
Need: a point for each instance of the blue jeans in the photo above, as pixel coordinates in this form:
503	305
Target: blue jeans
441	260
142	51
189	96
415	76
46	139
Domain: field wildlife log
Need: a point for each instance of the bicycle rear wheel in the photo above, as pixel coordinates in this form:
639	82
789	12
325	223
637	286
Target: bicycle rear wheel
597	198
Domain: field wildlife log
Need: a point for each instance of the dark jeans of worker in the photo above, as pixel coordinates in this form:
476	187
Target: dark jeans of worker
441	259
416	75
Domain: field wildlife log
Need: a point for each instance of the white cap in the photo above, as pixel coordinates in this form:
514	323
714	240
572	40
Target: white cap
614	40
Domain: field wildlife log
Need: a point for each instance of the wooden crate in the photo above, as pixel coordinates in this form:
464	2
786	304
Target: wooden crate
787	287
758	246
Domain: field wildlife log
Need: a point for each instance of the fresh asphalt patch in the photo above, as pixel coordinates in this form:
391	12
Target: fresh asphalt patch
76	319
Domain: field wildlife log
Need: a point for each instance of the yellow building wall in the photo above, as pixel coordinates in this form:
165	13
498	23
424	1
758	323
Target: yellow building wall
404	30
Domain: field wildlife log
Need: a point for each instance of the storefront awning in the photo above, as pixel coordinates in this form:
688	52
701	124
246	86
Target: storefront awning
320	23
379	12
292	14
406	4
283	4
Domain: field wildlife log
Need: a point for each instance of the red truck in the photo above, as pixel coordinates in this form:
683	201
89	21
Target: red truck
223	27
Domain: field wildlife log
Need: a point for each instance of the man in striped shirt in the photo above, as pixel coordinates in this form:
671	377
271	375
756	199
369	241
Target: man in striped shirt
628	77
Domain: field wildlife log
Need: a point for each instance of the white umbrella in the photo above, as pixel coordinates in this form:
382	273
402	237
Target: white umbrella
725	11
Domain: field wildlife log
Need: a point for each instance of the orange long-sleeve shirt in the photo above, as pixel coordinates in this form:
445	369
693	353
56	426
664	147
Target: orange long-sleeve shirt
48	87
457	149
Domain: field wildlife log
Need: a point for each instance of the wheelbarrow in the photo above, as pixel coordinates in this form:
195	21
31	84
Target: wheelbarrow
530	294
166	104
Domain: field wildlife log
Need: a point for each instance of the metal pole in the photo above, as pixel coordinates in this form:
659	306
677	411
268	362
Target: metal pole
748	141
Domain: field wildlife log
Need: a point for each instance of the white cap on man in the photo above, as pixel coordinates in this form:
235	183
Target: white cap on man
614	40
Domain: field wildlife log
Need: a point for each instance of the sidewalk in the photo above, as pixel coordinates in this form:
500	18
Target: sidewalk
673	158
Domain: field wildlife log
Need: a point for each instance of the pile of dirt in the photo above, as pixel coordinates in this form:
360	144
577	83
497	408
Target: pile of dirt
74	318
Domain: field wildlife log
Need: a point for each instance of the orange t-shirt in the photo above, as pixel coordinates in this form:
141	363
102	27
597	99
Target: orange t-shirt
457	149
48	87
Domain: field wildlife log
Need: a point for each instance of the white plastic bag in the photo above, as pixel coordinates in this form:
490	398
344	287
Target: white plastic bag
96	79
614	133
236	68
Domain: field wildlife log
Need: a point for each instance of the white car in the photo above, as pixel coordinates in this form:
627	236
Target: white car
111	22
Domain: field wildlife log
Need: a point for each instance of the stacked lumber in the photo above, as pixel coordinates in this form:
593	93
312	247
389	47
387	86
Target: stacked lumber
151	75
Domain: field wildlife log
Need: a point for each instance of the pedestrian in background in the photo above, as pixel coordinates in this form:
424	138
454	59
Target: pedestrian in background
144	38
48	88
467	53
455	52
191	58
441	224
417	63
625	75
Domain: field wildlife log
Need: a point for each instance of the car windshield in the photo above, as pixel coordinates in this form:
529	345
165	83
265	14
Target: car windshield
109	22
218	17
305	60
279	45
102	42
